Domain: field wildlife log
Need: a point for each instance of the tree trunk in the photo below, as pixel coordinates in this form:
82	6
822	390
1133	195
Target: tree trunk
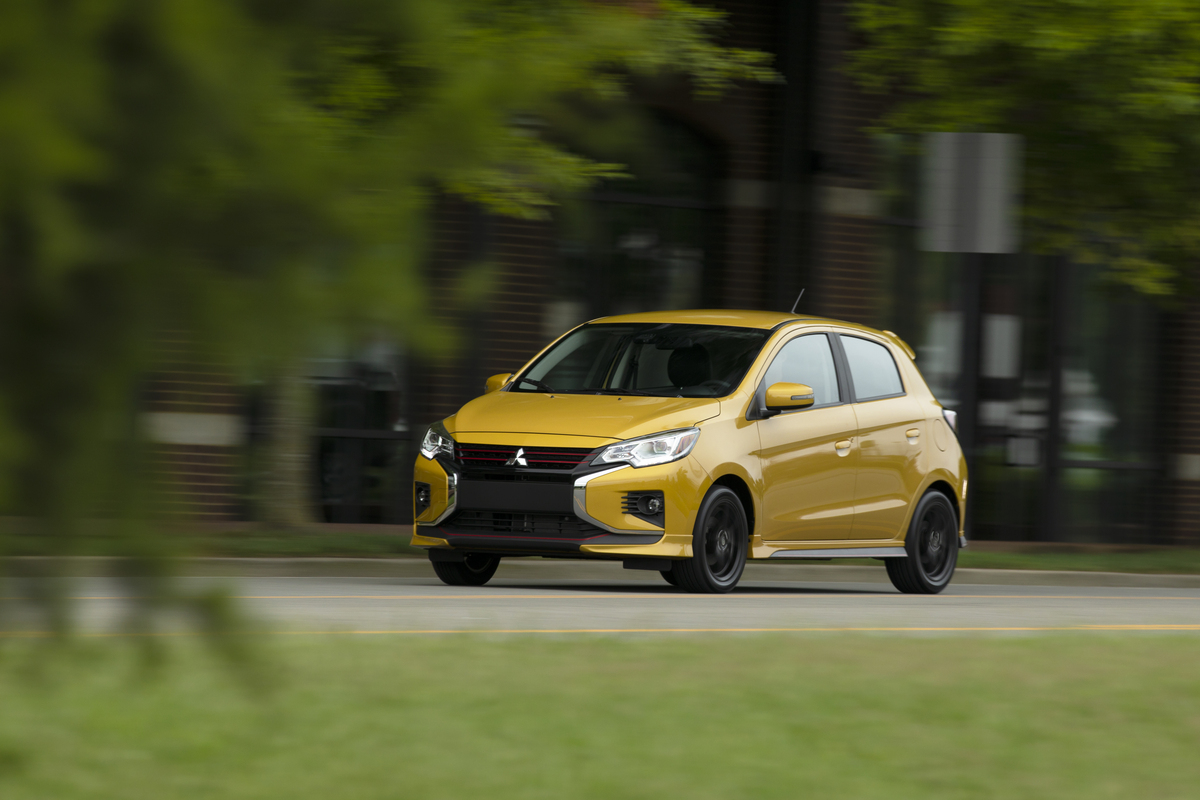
288	475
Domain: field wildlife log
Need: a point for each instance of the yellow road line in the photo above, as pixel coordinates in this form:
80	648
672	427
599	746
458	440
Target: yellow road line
818	629
553	595
476	631
813	595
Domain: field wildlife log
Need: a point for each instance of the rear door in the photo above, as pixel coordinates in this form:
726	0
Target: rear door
891	435
808	456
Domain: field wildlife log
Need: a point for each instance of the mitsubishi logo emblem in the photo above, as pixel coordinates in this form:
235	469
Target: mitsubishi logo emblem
518	459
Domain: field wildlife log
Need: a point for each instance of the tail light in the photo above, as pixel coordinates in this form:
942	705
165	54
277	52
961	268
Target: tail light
951	419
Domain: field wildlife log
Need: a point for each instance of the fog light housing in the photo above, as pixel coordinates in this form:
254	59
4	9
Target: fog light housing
649	506
422	496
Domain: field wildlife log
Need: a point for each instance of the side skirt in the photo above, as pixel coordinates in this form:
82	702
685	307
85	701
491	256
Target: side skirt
843	552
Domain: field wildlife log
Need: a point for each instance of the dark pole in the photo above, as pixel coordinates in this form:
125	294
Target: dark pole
1057	327
788	136
474	322
972	338
797	64
410	377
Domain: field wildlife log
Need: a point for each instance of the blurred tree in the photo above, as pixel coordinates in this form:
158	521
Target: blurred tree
256	174
1106	93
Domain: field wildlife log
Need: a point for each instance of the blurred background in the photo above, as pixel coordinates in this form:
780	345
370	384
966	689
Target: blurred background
250	250
740	202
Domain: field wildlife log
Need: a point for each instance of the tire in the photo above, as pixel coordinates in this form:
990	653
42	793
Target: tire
932	546
668	575
475	570
720	542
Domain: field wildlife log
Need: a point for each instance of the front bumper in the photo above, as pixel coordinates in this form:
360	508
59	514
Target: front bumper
576	513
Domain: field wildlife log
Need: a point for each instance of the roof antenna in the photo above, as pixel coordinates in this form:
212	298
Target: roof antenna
797	303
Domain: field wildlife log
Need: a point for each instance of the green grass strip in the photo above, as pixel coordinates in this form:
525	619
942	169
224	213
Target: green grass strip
1165	561
741	716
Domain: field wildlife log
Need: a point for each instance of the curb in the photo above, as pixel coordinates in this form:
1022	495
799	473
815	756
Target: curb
554	569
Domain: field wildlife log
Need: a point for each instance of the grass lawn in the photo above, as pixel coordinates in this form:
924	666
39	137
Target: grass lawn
1177	561
250	543
283	544
367	545
580	717
392	542
1172	561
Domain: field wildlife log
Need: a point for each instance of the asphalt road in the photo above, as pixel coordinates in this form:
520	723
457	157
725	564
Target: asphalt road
546	597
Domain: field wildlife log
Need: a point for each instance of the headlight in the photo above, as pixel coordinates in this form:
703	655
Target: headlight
437	442
647	451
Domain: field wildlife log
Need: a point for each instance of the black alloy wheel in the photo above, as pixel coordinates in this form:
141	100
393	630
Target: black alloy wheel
932	546
474	570
720	542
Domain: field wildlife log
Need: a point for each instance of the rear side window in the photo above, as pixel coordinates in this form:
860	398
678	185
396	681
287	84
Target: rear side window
872	369
807	360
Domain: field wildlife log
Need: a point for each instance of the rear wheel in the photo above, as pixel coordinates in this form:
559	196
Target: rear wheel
719	544
932	546
475	570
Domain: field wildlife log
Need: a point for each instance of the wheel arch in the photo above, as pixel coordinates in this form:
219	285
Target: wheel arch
943	487
741	488
942	482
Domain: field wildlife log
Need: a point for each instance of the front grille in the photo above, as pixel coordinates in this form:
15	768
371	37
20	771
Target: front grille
498	455
513	523
511	475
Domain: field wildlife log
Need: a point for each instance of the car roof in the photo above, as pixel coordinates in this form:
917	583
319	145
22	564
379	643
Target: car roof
768	320
765	320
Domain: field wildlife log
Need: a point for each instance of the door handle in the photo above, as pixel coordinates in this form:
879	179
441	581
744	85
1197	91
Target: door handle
912	434
842	447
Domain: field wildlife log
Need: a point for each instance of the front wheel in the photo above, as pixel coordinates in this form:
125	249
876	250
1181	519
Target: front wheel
474	570
932	546
720	542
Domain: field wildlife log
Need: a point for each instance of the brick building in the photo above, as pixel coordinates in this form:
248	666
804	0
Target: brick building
1085	432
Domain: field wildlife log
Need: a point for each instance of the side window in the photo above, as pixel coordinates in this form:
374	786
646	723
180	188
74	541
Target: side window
809	360
872	369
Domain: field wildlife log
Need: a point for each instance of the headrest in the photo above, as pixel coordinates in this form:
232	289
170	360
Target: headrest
689	366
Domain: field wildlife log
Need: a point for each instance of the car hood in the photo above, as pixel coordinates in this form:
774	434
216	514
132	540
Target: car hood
596	417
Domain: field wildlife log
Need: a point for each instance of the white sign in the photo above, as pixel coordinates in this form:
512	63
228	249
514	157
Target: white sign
970	193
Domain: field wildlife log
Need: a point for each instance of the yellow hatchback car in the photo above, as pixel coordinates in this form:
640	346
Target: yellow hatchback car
690	441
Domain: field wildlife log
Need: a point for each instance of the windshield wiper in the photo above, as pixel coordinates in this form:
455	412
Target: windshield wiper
537	384
630	392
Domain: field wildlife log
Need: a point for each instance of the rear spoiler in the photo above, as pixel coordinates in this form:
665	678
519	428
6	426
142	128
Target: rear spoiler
903	345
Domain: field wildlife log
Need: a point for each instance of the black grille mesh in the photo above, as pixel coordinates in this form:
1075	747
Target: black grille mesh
537	526
497	455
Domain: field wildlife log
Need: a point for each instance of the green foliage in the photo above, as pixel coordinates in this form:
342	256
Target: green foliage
1106	93
253	177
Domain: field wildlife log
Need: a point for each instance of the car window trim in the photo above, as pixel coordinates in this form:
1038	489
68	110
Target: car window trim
758	408
845	381
845	363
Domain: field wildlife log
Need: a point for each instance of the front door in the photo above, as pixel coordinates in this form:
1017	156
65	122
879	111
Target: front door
809	456
891	433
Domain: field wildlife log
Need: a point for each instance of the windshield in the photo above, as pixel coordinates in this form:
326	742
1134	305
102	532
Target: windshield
660	360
